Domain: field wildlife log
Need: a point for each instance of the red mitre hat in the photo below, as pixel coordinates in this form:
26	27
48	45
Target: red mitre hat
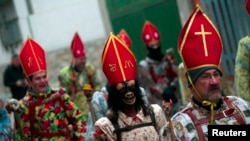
32	58
248	6
77	47
200	43
123	35
118	62
150	33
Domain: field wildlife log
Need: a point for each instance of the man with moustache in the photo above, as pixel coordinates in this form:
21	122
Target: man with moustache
199	38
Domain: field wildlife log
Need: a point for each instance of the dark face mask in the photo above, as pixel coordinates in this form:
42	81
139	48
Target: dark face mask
155	54
126	89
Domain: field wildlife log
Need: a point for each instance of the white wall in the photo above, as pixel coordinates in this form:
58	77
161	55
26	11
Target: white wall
54	22
185	8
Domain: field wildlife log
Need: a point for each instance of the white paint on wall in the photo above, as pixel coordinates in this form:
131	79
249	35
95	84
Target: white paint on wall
54	22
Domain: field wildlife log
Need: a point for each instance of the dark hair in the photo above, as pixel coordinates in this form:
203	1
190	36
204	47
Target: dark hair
115	102
169	93
14	56
194	74
30	77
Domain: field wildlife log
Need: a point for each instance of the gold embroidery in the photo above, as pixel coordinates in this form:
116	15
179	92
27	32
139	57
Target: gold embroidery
128	64
112	67
41	61
203	33
29	62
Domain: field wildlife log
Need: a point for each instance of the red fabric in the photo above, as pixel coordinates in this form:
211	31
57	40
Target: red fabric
77	46
118	62
200	43
97	133
32	57
248	6
123	35
150	33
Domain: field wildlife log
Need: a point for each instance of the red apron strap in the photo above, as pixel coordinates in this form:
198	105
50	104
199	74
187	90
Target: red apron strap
197	126
237	115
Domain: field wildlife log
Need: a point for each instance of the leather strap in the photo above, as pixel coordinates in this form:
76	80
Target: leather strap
238	115
129	128
198	127
226	113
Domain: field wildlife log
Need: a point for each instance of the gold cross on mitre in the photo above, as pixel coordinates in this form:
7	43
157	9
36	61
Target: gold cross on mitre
203	33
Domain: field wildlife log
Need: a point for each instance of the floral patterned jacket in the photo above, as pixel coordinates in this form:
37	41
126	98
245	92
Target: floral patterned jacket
154	76
242	69
73	83
49	116
145	133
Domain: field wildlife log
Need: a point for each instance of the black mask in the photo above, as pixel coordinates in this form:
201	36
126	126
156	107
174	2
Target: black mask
155	54
126	89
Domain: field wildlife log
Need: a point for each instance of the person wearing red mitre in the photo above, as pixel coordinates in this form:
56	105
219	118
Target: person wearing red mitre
44	113
123	35
128	116
200	39
74	76
156	72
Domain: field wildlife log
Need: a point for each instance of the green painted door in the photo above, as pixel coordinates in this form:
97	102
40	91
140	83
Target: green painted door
131	15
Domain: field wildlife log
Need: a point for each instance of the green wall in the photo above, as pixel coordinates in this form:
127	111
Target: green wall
131	15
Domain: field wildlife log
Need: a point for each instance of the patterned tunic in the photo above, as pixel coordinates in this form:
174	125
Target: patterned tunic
67	76
146	133
100	108
185	128
73	83
5	124
242	69
155	76
47	116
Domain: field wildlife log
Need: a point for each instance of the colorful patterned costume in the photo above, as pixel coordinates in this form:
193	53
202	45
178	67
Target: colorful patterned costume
41	117
44	113
155	76
155	72
191	123
242	69
200	38
100	107
128	117
147	133
5	123
70	79
73	81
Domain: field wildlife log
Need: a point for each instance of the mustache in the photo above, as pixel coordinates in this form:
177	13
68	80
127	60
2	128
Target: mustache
214	87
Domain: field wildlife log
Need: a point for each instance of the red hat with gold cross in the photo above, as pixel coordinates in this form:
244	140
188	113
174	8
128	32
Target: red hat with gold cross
150	33
118	62
123	35
32	58
77	47
199	42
